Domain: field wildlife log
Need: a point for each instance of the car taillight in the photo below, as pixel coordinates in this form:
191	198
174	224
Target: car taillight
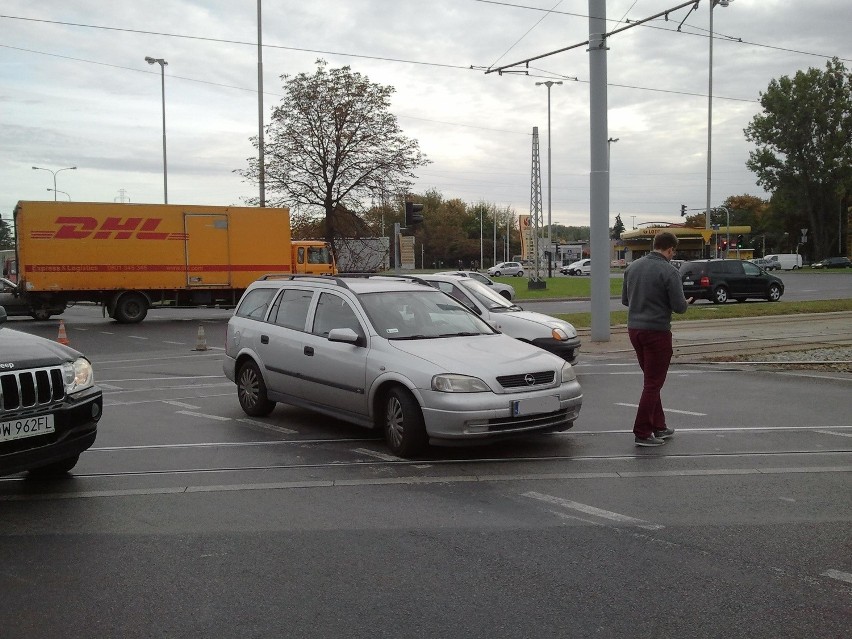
704	281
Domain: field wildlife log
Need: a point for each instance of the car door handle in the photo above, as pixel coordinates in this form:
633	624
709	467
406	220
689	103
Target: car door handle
264	339
309	350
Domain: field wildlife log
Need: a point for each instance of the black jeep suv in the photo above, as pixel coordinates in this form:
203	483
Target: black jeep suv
721	280
49	404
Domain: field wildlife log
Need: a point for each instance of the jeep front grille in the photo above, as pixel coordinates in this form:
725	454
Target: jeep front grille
31	388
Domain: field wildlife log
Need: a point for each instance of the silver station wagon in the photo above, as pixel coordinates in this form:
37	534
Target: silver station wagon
396	354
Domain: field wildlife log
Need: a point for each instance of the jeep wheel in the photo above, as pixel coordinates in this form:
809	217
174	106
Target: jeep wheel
251	391
720	295
402	423
774	293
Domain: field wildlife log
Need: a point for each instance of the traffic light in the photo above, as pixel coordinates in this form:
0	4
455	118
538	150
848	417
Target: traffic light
413	213
739	241
682	210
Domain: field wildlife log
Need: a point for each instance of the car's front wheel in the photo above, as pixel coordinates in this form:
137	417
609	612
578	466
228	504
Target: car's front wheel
405	432
774	293
519	274
720	295
506	295
497	273
251	391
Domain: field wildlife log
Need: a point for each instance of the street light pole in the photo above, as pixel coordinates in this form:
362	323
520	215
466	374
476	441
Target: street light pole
713	3
608	145
548	84
63	193
162	64
68	168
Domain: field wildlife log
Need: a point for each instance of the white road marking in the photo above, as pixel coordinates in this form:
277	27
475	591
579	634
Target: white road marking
175	343
836	574
204	415
828	432
710	429
108	386
136	337
180	404
376	454
595	512
275	427
668	410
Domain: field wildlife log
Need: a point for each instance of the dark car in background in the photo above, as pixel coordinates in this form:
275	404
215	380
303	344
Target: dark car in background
49	404
720	280
833	262
16	304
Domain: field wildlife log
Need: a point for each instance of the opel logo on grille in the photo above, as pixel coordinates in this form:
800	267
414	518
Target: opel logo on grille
529	379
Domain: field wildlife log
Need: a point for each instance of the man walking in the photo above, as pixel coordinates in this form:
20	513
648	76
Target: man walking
652	291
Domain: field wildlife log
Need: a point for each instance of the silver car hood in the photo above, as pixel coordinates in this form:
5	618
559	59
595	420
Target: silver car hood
528	323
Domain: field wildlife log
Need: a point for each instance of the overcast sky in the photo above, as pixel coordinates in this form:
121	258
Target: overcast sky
76	91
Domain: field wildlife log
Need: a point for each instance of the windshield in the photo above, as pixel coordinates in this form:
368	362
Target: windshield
486	296
399	315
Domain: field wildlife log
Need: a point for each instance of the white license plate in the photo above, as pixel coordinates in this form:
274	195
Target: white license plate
28	427
535	405
687	282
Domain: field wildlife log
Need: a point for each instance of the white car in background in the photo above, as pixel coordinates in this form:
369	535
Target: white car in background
551	334
580	267
507	268
506	290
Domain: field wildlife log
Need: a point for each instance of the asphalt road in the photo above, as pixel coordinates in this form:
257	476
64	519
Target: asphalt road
188	519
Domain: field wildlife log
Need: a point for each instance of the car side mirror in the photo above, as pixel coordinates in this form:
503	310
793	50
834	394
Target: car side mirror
344	335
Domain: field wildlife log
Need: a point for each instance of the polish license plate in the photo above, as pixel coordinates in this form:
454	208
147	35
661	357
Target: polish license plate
26	427
535	405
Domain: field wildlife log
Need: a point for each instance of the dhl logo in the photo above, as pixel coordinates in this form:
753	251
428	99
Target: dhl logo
119	228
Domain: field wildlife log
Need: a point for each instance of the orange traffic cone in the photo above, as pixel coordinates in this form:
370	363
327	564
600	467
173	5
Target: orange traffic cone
201	340
62	338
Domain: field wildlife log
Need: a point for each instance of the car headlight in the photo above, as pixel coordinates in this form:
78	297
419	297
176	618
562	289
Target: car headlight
568	374
452	383
78	375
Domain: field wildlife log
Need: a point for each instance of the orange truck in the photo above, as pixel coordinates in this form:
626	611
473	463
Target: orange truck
133	257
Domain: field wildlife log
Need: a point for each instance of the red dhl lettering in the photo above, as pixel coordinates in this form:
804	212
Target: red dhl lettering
81	227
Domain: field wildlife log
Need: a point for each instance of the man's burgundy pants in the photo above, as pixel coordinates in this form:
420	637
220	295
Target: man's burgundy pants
654	352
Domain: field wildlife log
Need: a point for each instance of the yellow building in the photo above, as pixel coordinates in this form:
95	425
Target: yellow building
693	243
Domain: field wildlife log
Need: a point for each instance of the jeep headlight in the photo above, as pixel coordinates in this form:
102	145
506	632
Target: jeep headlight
78	375
568	374
453	383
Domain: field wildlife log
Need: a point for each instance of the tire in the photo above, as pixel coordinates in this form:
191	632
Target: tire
795	268
506	295
41	314
497	273
131	308
519	274
720	295
774	293
251	391
402	423
56	469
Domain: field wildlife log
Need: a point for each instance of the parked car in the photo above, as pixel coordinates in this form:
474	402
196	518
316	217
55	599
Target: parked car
394	354
786	261
49	404
17	305
506	290
766	264
580	267
554	335
722	280
507	268
833	262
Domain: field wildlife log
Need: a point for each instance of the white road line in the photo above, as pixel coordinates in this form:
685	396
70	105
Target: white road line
172	402
836	574
108	386
828	432
275	427
175	343
711	429
204	415
376	454
668	410
136	337
591	510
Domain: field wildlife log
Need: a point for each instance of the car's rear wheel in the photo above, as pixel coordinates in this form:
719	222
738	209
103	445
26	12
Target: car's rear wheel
56	469
774	293
405	432
720	295
251	391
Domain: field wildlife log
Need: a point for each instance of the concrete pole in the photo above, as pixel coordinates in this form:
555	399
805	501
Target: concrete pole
599	177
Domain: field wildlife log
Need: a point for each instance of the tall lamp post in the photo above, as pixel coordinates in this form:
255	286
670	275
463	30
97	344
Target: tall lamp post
548	84
68	168
63	193
713	3
162	64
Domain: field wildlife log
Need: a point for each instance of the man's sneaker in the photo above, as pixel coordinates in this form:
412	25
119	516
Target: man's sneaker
664	434
649	441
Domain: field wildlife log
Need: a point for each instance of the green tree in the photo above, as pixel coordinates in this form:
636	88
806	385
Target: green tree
617	228
7	239
331	145
804	149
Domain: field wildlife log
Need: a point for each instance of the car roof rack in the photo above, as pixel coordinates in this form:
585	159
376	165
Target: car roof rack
340	278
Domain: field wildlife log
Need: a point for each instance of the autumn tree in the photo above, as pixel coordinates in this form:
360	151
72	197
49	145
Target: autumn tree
332	145
804	149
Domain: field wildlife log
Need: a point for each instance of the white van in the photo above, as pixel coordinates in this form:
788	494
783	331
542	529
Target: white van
787	261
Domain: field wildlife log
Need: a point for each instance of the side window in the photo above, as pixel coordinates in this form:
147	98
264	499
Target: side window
751	269
300	255
255	303
291	308
334	312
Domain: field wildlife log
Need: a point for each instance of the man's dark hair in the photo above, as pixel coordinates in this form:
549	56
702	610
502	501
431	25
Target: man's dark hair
664	240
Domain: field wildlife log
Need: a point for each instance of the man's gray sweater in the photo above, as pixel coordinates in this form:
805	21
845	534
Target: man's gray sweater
651	291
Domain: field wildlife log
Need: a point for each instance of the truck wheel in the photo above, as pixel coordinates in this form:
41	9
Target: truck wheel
56	469
251	391
131	308
40	314
402	424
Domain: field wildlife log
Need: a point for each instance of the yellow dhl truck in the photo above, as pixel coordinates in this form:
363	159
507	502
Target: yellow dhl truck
132	257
